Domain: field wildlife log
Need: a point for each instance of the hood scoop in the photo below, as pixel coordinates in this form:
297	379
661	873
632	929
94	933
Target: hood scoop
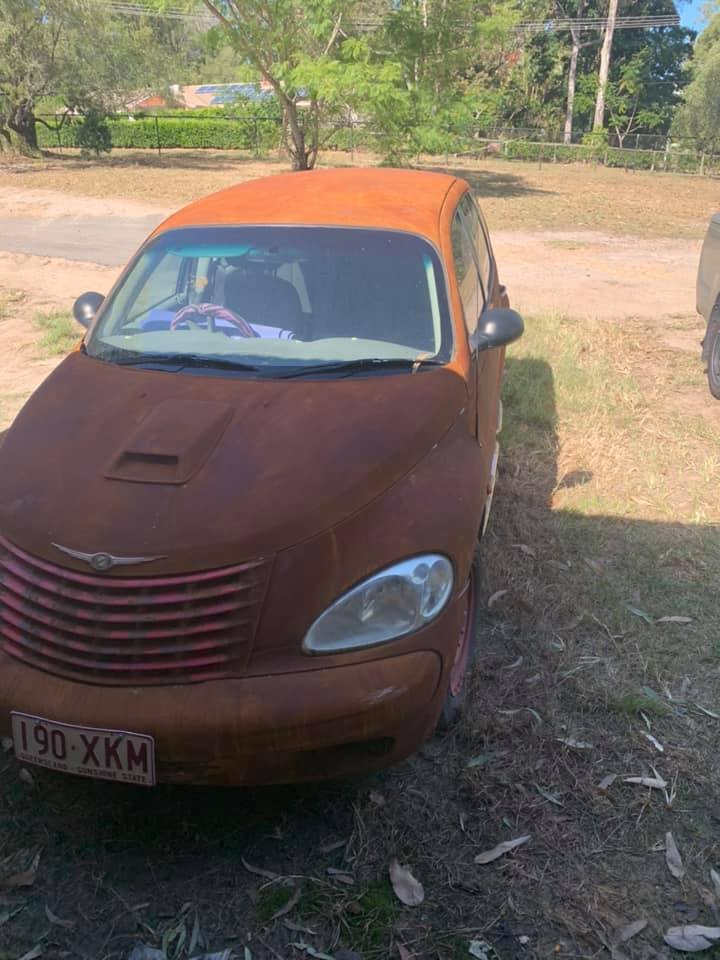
172	442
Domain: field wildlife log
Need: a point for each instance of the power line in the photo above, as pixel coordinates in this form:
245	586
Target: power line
135	9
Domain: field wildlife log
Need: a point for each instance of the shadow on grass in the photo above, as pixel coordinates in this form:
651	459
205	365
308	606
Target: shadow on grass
175	158
490	183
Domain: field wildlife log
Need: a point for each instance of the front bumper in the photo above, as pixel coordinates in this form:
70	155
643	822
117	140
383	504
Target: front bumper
316	724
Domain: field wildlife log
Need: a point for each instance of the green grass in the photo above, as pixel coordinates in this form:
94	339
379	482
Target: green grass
60	333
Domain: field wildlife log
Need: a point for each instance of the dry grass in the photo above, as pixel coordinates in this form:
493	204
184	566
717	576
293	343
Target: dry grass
514	194
563	657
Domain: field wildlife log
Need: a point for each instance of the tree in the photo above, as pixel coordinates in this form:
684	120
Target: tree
699	114
286	41
604	71
73	51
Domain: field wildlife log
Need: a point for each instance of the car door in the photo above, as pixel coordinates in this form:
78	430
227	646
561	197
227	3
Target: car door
488	363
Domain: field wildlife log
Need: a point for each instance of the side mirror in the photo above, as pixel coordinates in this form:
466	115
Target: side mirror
86	306
497	328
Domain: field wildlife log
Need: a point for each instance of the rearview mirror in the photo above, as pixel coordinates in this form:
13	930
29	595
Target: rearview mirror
497	328
86	306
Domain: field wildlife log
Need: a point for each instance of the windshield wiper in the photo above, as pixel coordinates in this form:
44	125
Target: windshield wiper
349	367
179	361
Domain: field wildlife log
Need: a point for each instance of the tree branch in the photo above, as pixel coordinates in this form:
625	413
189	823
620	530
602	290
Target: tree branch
333	35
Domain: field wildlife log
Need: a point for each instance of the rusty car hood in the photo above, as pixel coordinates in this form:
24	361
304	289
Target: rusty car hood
208	470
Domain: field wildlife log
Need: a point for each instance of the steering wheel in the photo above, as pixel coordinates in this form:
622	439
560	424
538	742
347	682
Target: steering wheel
194	313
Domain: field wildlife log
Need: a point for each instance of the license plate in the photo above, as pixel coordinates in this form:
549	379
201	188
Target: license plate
85	751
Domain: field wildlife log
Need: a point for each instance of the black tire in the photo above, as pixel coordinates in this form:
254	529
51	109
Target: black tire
455	700
712	348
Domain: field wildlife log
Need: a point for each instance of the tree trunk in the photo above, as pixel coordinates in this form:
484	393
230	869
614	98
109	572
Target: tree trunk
21	120
604	72
572	78
302	144
296	140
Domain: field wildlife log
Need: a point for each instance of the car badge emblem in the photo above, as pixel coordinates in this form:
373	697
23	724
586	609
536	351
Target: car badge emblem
102	562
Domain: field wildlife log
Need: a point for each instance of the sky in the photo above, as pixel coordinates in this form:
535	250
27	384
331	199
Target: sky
691	13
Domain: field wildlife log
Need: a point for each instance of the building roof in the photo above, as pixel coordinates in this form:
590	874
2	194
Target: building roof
396	199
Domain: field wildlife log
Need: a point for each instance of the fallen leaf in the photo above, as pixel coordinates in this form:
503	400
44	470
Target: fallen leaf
576	744
403	952
692	937
548	796
656	743
298	928
407	889
287	907
8	914
143	952
715	877
632	930
53	918
259	871
342	876
481	949
673	858
479	761
37	951
636	611
26	777
708	713
502	848
498	595
335	845
311	951
514	665
655	783
607	782
674	620
19	869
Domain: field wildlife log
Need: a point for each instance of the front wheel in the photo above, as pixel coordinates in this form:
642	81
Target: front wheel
713	355
467	645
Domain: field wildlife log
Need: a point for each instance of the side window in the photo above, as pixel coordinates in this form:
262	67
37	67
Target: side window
477	231
466	272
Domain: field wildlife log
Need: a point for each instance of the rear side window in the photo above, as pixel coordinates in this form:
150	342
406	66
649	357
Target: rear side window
477	231
466	272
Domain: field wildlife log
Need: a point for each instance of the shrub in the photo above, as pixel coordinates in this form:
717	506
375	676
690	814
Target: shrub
93	135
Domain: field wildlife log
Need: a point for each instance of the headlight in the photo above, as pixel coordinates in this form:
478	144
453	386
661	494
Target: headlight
391	603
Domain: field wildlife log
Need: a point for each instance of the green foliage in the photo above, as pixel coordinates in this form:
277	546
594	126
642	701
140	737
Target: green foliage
77	52
93	135
699	114
182	129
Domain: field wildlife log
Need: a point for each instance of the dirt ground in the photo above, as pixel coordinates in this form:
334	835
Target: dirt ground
605	525
580	272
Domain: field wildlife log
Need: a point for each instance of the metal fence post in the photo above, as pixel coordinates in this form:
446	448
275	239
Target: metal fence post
352	141
157	134
257	136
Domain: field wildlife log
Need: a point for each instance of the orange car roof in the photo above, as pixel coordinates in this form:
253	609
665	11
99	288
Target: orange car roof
392	199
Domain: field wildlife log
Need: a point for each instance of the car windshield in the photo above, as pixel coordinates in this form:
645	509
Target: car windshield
274	300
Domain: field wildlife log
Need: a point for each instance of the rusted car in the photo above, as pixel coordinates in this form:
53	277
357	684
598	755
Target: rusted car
708	303
239	525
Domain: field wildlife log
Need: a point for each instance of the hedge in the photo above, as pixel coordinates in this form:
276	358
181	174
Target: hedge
171	132
675	161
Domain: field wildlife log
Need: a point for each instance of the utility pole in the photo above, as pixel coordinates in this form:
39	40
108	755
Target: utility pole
599	123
